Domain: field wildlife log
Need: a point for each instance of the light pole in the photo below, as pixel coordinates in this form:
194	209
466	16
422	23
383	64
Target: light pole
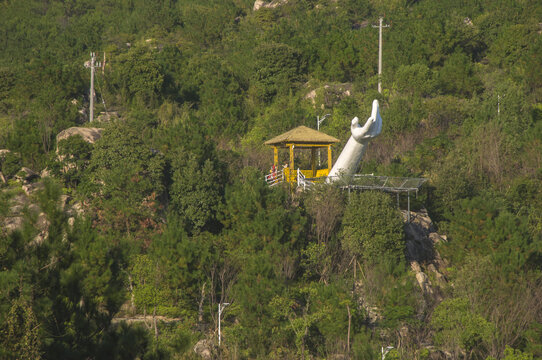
318	122
221	307
385	351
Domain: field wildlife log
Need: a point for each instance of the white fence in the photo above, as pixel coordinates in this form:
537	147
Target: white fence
274	178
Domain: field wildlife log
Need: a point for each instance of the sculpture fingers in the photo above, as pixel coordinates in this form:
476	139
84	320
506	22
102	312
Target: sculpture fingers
372	127
355	123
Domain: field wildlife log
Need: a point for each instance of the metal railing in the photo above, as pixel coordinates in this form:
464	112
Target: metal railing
384	183
302	180
276	177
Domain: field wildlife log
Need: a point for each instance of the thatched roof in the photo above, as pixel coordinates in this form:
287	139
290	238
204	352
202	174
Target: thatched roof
302	135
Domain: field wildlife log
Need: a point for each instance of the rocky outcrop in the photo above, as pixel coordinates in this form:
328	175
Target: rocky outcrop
206	349
425	261
31	188
107	116
261	4
329	95
4	152
90	135
21	207
12	223
26	175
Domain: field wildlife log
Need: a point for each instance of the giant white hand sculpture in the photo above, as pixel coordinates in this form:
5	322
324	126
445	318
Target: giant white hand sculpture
348	161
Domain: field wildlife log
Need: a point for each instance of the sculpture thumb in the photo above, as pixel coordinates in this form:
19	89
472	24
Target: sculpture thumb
375	114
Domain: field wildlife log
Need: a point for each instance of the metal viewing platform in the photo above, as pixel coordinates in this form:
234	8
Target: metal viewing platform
382	183
396	185
367	182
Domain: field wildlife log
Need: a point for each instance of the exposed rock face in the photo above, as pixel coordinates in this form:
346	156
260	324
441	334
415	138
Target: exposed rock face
329	95
261	4
205	349
42	224
29	189
421	278
425	262
45	173
258	4
424	258
107	116
13	223
21	204
90	135
3	153
26	175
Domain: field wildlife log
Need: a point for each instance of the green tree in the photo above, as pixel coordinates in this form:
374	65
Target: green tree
372	228
11	164
263	235
459	329
279	68
479	226
414	80
60	293
148	288
71	160
184	263
196	191
138	76
457	76
127	174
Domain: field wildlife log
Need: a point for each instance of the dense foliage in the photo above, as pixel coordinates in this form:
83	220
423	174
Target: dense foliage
176	218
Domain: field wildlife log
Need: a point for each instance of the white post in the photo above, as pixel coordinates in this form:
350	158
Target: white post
384	353
220	309
92	62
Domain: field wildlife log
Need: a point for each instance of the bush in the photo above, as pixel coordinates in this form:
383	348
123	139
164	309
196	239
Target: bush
373	228
11	164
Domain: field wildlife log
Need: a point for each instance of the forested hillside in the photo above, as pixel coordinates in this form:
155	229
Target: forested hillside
164	214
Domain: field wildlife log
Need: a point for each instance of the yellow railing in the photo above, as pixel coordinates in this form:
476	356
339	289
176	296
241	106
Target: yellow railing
291	176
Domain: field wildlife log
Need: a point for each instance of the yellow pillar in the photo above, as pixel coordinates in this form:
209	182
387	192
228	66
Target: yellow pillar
313	162
292	168
276	157
329	159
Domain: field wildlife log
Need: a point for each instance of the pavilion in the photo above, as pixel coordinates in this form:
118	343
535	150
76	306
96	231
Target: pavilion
302	137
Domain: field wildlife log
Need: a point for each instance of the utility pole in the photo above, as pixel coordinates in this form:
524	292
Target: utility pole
380	26
93	66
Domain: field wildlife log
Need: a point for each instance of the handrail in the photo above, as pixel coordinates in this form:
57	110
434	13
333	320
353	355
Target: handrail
302	180
274	178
